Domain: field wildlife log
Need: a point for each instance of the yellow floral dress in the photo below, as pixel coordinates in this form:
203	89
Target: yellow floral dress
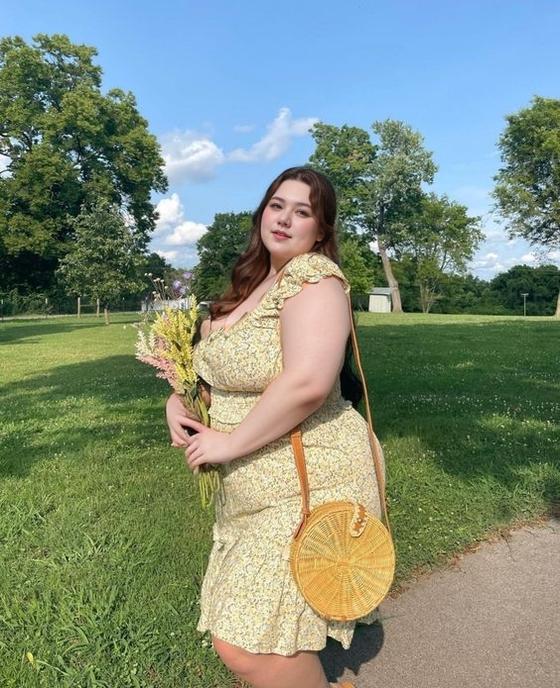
248	596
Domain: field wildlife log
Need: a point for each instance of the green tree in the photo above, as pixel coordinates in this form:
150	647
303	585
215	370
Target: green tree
442	238
379	185
156	265
66	145
345	154
105	261
466	293
358	267
541	283
527	190
219	248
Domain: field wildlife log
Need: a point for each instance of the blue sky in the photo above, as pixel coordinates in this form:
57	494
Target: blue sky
231	88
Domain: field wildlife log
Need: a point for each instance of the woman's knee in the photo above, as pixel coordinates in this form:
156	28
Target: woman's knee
235	658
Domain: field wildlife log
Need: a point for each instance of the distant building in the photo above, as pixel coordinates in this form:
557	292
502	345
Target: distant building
380	300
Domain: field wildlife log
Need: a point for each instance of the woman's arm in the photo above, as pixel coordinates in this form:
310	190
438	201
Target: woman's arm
314	327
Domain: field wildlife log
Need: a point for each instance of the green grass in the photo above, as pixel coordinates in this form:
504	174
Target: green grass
102	541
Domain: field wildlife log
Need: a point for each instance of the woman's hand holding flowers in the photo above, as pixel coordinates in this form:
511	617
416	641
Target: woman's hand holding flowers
177	415
208	446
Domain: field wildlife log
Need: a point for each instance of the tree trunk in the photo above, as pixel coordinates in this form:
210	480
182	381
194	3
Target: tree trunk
391	281
557	314
106	312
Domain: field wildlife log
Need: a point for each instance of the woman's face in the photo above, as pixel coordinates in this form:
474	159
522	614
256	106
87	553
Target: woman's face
288	211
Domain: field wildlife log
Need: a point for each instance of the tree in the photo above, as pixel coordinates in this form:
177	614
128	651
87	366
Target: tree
465	293
358	267
156	265
527	190
345	155
219	248
442	238
105	260
66	145
541	283
379	184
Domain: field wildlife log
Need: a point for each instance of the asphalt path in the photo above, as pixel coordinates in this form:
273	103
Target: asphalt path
490	619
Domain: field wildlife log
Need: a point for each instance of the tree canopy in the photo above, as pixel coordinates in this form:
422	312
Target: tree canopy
527	190
65	144
379	185
103	261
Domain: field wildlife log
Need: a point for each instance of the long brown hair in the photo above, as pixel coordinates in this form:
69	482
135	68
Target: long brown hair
253	265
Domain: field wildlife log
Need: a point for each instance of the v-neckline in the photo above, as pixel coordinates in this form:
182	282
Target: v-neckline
226	330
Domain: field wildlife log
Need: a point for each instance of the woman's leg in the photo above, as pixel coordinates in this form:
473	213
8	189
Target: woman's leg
302	670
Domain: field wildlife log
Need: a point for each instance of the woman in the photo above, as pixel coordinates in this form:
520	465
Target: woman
275	353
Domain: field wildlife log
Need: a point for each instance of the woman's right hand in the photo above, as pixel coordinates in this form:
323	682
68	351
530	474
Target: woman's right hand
175	413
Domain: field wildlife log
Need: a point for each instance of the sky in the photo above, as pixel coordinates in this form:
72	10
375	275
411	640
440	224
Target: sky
230	89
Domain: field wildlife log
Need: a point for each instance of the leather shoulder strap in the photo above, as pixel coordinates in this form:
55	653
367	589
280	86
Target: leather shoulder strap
297	443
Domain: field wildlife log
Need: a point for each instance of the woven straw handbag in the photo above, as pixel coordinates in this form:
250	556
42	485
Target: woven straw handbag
341	556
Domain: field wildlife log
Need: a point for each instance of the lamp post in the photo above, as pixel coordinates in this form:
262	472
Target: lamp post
524	303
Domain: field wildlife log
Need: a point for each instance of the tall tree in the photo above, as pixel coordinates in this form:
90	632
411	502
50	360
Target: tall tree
345	154
527	190
379	184
65	144
219	248
105	260
442	238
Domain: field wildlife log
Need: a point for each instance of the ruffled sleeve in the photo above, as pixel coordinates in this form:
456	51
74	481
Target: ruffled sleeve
307	267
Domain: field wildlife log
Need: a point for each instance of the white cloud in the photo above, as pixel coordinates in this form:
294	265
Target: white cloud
186	233
173	228
530	258
194	157
190	156
280	133
4	162
493	231
170	213
167	255
243	128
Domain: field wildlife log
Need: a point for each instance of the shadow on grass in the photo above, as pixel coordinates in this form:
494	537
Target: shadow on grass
483	397
11	334
13	331
110	401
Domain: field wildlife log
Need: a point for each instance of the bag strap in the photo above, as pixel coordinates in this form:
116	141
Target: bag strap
297	444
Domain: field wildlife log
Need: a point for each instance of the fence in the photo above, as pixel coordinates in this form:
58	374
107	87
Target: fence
13	304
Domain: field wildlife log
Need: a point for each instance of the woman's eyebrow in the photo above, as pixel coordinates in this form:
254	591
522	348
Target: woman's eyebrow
282	199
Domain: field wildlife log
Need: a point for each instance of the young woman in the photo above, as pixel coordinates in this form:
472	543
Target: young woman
275	353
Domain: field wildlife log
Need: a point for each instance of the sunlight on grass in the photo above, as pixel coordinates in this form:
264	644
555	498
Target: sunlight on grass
104	544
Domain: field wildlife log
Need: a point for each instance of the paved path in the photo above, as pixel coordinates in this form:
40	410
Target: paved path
490	620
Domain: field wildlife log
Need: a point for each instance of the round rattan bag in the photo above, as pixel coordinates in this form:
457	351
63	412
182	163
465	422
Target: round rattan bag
342	560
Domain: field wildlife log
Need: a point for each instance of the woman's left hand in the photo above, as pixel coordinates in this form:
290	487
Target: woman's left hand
207	446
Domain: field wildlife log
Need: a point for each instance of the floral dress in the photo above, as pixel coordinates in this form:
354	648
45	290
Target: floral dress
248	595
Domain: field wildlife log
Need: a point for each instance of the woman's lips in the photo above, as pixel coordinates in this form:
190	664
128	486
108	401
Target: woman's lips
280	235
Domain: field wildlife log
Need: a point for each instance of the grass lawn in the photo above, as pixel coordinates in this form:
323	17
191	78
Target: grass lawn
102	541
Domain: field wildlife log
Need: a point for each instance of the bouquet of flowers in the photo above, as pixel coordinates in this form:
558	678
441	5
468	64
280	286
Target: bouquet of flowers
165	341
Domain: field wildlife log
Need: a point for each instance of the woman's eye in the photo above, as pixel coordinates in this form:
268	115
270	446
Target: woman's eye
304	213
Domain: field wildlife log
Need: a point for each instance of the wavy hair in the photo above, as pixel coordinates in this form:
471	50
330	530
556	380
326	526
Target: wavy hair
253	265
